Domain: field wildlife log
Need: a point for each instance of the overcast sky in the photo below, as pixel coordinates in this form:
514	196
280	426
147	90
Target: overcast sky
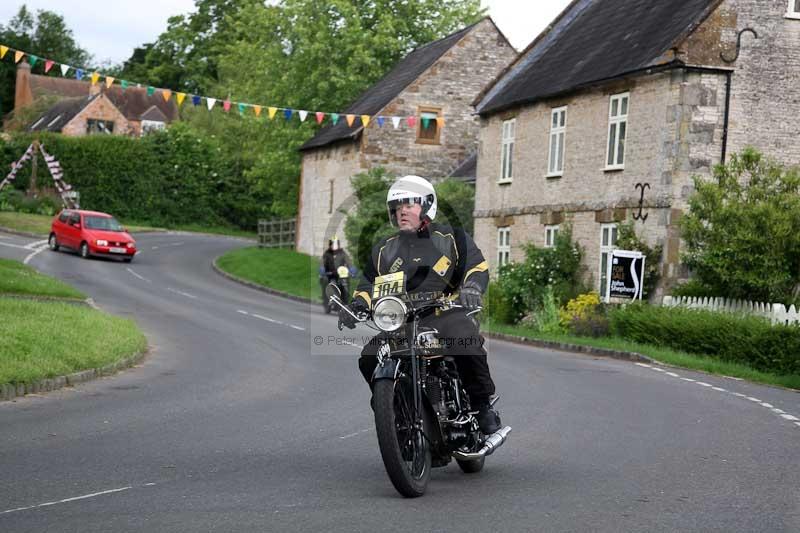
110	32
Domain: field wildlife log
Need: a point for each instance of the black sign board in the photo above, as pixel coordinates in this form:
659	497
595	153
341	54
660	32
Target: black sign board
626	274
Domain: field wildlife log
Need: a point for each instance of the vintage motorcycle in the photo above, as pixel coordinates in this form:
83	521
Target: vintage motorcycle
423	416
341	278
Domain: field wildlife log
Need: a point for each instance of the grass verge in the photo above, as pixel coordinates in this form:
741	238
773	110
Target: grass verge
16	278
48	339
282	270
665	355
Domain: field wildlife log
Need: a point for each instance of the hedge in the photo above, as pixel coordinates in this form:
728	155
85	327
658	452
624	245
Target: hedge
729	337
177	176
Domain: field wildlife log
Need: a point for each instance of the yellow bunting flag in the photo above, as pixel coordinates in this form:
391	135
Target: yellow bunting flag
365	120
167	94
109	82
179	97
350	120
95	77
3	51
18	55
257	110
272	111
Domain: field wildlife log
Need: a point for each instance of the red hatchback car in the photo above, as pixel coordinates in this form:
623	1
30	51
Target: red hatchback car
91	233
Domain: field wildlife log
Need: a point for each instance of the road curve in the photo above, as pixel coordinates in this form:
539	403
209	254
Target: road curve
239	421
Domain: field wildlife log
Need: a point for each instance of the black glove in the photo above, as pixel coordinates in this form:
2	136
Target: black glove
471	295
358	305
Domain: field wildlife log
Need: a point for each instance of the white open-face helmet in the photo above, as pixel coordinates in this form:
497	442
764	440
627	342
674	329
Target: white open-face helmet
412	190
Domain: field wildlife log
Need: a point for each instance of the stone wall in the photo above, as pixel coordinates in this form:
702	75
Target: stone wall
101	109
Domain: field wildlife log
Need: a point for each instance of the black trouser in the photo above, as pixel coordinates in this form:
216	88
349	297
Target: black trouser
462	341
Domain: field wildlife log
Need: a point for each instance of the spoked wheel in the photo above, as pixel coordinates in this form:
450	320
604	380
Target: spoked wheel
405	451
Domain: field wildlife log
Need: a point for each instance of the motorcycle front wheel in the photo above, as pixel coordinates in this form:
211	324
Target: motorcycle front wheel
405	451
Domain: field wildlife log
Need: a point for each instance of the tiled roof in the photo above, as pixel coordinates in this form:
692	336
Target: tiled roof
592	41
61	113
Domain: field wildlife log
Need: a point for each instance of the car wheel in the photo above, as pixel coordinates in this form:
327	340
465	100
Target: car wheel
53	242
85	250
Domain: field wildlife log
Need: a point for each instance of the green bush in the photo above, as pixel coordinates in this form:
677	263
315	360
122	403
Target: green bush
545	318
496	307
525	285
729	337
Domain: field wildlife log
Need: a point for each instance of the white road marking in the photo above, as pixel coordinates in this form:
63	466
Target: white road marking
642	364
354	434
689	379
32	255
719	389
767	405
138	276
673	374
268	319
658	369
176	244
271	320
778	411
297	327
797	424
193	297
12	245
34	245
753	399
85	496
790	417
703	384
242	312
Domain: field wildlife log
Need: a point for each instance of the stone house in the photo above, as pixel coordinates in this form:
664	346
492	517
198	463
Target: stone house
609	113
83	109
437	81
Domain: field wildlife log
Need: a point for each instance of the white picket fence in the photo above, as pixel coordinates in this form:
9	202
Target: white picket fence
777	313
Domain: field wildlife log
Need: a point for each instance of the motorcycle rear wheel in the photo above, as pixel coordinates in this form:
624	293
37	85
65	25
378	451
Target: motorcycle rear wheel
405	451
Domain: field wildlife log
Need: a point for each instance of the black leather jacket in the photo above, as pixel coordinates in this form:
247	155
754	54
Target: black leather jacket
436	260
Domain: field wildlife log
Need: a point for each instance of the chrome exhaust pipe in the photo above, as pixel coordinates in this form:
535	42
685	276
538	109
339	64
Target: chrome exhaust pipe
494	441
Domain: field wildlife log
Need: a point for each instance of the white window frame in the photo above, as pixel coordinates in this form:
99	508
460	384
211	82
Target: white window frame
503	246
550	233
558	134
793	9
152	125
609	233
507	133
616	120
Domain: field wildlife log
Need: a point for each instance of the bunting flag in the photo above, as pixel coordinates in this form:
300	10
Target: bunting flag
180	97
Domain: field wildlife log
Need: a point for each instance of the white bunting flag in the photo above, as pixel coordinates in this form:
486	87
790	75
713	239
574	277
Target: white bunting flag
64	70
210	103
396	122
303	115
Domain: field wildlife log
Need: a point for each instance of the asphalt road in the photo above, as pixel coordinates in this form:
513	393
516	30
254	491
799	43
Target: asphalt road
238	421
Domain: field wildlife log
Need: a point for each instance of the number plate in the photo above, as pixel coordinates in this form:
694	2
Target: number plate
117	250
390	284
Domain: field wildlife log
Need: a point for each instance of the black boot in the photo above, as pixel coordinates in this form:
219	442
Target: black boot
488	419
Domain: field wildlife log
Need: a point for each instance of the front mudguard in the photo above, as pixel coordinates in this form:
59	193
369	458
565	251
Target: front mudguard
390	369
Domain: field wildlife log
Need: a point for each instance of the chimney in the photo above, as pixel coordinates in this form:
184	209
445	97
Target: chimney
23	96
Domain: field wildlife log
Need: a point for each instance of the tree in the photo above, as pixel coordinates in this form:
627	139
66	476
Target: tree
44	34
742	231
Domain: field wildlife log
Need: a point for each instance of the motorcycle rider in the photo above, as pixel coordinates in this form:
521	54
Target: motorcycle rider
437	261
333	258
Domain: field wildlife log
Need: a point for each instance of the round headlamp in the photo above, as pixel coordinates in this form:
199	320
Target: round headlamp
389	313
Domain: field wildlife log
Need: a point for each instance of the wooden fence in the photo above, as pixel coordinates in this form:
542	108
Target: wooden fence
277	233
777	313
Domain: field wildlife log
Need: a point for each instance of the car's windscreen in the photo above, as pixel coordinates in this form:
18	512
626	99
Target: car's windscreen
103	223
